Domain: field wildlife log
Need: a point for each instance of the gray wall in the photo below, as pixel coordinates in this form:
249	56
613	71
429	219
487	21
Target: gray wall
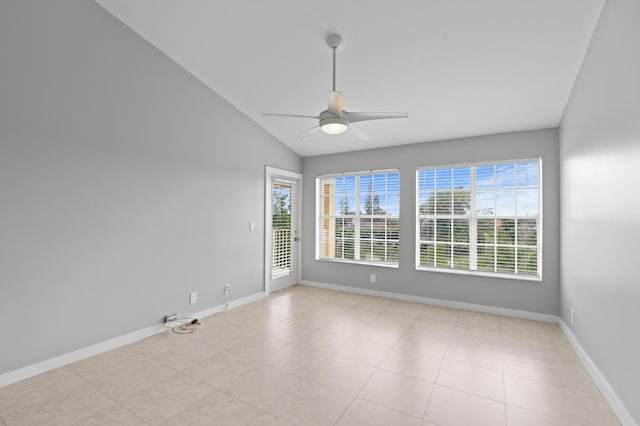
600	163
541	297
114	164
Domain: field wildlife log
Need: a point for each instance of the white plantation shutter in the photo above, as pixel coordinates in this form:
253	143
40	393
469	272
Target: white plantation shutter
480	217
358	217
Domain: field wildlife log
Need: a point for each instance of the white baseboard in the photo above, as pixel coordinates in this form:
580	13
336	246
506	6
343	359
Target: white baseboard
232	304
89	351
618	407
68	358
437	302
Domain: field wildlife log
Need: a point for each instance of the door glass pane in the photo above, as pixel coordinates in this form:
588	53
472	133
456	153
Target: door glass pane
281	229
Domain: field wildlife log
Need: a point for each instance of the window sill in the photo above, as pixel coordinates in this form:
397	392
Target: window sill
361	262
481	274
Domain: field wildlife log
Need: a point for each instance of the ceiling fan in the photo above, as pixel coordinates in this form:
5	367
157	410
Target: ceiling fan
335	120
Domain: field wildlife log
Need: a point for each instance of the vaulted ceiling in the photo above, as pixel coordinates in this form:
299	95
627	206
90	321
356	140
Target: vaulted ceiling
458	67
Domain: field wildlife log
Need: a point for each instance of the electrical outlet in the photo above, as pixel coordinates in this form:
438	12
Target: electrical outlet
227	288
170	317
573	316
193	298
372	278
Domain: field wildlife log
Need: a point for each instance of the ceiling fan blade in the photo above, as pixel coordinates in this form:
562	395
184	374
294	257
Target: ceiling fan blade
291	115
308	132
359	133
335	103
354	117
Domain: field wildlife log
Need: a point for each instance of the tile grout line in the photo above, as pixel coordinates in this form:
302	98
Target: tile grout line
476	395
547	383
378	368
529	409
60	396
359	392
389	408
197	401
220	390
345	410
435	380
176	373
105	394
260	410
504	384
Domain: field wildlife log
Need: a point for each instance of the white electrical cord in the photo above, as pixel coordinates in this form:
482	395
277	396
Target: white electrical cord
184	324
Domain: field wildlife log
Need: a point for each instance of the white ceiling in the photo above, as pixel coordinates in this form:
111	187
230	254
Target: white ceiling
458	67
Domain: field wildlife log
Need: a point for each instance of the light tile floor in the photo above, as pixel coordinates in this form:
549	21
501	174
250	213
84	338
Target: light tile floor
306	356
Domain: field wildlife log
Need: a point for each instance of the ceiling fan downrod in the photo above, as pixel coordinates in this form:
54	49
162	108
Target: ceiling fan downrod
334	41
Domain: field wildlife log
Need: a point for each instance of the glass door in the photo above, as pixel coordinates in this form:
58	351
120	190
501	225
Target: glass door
284	233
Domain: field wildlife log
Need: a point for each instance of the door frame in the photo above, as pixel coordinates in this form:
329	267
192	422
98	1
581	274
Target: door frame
270	173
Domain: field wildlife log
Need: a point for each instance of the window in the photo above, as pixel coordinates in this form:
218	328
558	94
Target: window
484	218
358	217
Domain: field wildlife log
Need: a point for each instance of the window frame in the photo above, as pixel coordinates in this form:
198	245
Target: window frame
473	217
356	218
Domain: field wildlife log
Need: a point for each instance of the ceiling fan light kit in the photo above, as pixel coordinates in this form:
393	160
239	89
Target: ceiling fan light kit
332	124
335	120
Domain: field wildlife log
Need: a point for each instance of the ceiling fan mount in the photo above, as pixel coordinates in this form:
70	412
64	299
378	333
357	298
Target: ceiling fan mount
335	120
334	41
